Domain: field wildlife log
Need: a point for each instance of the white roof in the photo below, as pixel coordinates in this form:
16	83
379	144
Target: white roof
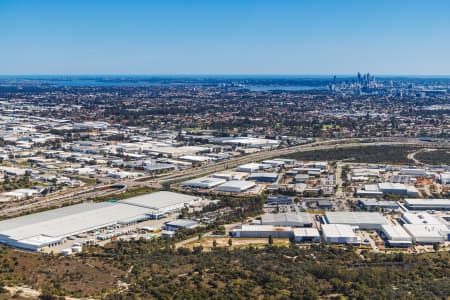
395	232
427	231
338	230
355	218
160	200
69	222
420	218
236	184
427	202
204	182
264	228
306	231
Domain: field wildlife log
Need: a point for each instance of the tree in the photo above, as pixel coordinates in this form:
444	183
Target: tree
230	242
214	244
270	240
436	247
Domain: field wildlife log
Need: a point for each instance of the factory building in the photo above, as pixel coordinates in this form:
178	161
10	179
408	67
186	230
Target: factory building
396	236
264	177
204	182
300	219
427	204
52	227
371	203
362	220
261	231
339	234
180	224
306	234
235	186
428	233
279	200
384	188
251	167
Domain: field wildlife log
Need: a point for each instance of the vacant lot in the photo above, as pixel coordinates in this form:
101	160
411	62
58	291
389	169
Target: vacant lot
364	154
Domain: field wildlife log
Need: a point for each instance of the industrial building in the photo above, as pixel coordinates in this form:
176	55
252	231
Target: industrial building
420	218
299	219
371	203
235	186
385	188
180	224
428	233
264	177
279	200
204	183
396	236
52	227
306	234
339	234
362	220
427	204
251	167
262	231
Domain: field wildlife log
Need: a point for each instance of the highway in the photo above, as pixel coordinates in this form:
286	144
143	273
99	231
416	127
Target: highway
157	182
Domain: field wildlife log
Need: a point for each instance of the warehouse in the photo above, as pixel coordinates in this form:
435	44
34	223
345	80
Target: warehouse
49	228
36	231
279	200
306	235
235	186
251	167
339	234
396	236
444	178
428	233
287	219
264	177
162	203
371	203
386	188
262	231
427	204
420	218
180	224
231	176
362	220
204	183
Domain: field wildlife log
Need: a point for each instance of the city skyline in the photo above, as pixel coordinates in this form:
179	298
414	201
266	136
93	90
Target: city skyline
236	38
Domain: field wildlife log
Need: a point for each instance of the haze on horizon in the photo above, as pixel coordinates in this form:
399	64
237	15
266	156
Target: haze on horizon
224	37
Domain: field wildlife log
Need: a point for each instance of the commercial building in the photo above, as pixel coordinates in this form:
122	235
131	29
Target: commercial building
420	218
204	182
300	219
339	234
235	186
427	204
396	236
362	220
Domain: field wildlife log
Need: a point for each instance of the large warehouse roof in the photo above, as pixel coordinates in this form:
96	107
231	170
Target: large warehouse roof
160	200
287	219
41	229
356	218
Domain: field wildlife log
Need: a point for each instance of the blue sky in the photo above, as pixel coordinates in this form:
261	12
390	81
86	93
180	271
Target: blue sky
224	37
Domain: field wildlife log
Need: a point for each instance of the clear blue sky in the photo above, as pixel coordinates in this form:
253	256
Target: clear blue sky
224	37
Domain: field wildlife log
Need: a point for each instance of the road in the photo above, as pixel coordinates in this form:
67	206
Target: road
157	182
